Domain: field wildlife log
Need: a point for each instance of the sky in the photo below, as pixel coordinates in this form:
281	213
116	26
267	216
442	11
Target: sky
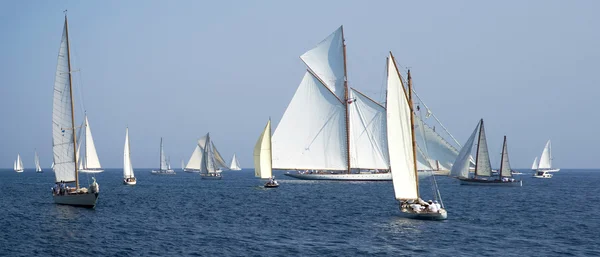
180	69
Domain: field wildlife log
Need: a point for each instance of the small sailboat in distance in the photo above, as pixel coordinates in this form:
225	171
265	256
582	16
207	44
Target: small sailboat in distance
235	164
128	176
262	158
164	167
18	164
38	169
64	143
211	164
402	150
545	163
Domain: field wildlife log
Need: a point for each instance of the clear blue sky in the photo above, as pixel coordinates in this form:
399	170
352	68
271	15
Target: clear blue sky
179	69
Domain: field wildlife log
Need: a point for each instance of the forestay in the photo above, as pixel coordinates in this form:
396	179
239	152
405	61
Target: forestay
262	154
460	168
62	124
368	140
483	167
399	134
326	60
311	133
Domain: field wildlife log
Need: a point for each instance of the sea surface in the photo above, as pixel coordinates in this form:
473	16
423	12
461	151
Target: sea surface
182	215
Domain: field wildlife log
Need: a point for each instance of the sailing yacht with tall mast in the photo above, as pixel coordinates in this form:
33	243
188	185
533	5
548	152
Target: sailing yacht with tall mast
163	166
36	160
18	164
483	167
89	161
545	163
64	142
128	176
235	164
402	149
212	163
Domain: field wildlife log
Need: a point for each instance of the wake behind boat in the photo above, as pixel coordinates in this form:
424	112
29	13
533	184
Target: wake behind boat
64	143
483	168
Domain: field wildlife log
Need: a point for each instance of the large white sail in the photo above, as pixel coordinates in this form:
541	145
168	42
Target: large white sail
195	159
326	60
62	123
262	154
460	168
435	146
399	134
312	131
37	162
505	170
91	157
546	159
483	167
18	163
534	166
368	139
235	165
127	167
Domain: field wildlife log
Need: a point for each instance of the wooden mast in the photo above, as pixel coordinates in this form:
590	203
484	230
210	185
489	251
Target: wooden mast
346	104
72	105
412	129
478	143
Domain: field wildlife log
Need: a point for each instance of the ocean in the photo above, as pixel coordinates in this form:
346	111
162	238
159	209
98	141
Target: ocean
182	215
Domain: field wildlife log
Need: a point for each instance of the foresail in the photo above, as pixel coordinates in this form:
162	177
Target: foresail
262	154
368	139
506	170
483	167
434	145
326	60
534	166
195	159
127	167
460	168
219	161
91	156
399	134
312	131
545	162
62	124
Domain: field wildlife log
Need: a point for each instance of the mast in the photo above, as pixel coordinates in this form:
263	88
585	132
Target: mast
502	158
478	142
412	128
346	104
72	105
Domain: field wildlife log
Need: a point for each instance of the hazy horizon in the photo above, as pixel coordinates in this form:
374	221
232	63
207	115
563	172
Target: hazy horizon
180	69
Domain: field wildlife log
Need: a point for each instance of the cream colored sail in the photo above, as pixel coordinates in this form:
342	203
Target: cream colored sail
195	159
127	166
262	154
399	134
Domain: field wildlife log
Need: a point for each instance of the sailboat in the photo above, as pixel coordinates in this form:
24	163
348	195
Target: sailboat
182	166
534	166
402	150
163	168
64	142
235	164
89	162
262	158
128	176
36	160
546	159
211	163
18	164
483	167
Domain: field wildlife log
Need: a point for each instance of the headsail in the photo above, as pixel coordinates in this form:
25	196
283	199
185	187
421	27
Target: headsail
399	134
262	154
460	168
534	166
62	123
91	160
195	159
483	167
368	140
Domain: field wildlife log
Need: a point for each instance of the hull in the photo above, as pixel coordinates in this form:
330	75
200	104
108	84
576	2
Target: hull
131	183
163	172
479	182
542	174
18	171
191	171
351	177
211	177
440	215
271	185
84	200
549	170
90	171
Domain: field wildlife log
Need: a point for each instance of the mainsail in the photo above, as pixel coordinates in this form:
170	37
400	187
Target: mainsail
546	159
127	166
163	160
483	167
399	134
460	168
262	154
505	170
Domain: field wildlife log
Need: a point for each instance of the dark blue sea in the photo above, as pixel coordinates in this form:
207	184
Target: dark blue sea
182	215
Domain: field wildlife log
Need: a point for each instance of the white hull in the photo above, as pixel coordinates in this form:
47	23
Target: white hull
542	174
84	200
351	177
471	182
211	177
163	172
440	215
90	171
235	169
191	171
18	171
131	183
548	170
